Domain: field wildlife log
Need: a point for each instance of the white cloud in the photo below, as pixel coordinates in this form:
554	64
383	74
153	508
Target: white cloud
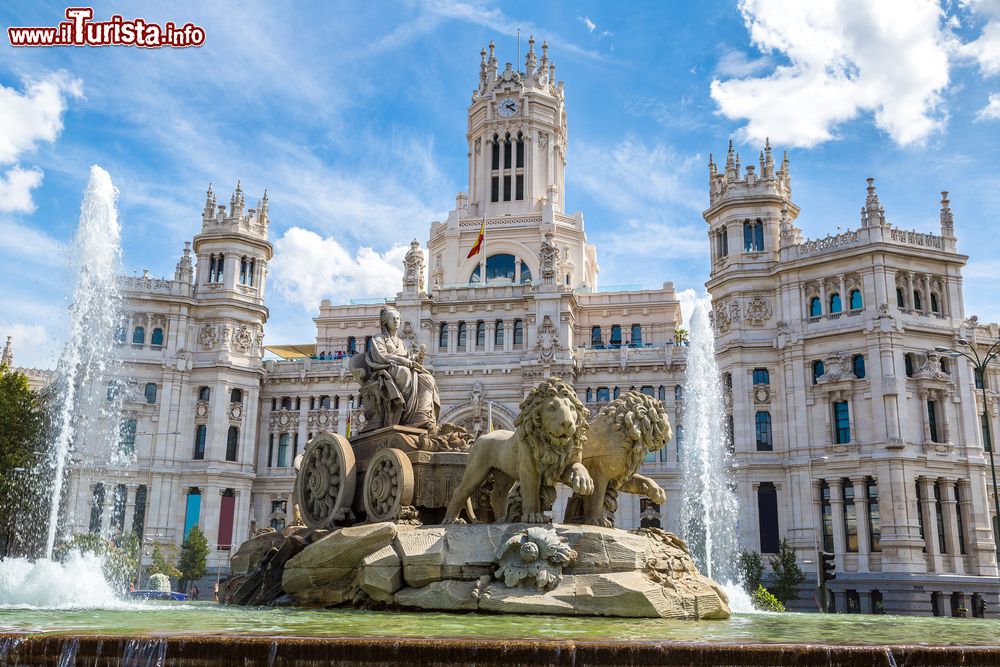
25	243
308	268
591	26
992	109
688	299
33	348
28	118
845	58
736	64
15	189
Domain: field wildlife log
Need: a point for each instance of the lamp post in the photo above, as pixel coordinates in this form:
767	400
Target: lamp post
979	363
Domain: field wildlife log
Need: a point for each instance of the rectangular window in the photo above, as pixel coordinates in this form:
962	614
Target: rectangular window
520	153
139	513
827	510
495	156
761	376
767	517
506	187
648	390
850	517
874	518
126	437
200	435
192	510
758	236
725	241
842	423
518	332
763	431
118	508
649	457
747	236
97	508
932	420
270	449
283	441
495	189
519	187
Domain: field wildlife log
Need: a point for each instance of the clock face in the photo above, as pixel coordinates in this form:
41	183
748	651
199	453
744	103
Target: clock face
508	107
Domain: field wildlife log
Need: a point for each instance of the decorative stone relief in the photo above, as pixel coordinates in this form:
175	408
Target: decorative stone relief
883	312
549	256
477	401
201	409
534	556
235	411
413	267
757	311
243	339
543	140
548	340
207	335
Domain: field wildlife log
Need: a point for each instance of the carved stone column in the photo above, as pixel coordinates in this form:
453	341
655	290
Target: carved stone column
837	507
923	394
861	514
949	512
491	332
930	522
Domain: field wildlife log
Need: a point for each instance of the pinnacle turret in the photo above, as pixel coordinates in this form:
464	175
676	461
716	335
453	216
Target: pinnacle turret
529	60
947	219
873	214
7	356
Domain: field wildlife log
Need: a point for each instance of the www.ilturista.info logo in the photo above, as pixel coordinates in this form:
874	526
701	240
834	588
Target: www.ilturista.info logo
80	30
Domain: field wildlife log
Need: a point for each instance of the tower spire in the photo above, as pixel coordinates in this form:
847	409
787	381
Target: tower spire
529	60
7	356
768	169
947	219
873	214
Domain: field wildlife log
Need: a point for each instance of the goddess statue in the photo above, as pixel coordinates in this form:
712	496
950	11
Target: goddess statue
395	388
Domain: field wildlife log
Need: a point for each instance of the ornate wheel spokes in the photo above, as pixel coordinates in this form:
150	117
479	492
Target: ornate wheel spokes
388	485
325	482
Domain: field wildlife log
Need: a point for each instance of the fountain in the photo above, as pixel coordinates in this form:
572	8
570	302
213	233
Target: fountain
709	509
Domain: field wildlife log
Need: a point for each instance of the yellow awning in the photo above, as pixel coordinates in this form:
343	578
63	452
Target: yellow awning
293	351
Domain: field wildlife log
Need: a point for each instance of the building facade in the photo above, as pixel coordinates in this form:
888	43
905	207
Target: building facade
850	433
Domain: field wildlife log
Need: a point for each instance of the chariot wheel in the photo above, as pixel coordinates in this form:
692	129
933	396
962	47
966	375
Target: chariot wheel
388	485
324	486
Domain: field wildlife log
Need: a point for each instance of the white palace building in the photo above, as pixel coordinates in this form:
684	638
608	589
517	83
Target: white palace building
850	433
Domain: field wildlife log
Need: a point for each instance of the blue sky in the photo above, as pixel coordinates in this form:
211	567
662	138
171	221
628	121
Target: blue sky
353	117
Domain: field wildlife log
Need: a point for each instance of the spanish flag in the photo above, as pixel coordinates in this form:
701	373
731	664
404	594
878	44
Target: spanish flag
479	241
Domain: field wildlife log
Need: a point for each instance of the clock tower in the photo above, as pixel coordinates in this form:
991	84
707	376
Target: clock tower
517	137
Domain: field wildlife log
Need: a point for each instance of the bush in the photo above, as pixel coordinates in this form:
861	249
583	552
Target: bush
159	582
787	575
750	570
763	600
161	566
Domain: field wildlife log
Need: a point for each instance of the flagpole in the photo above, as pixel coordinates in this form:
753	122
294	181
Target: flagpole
482	251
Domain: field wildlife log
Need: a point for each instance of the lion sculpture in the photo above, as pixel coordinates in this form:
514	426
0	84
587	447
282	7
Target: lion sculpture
545	448
620	436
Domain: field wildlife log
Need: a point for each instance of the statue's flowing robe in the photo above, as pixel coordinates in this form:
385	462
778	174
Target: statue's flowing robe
411	395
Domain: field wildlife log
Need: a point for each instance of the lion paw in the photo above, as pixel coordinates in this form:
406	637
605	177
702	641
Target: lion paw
536	517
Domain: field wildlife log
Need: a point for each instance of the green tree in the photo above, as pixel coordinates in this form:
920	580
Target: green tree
763	600
681	336
161	565
22	423
750	569
787	575
193	561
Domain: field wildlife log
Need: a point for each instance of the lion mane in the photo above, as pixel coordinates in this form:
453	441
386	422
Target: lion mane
641	419
531	431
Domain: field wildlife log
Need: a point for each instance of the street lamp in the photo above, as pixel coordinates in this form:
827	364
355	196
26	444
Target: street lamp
979	363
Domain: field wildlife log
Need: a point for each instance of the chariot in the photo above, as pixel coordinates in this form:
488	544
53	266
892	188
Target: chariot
397	473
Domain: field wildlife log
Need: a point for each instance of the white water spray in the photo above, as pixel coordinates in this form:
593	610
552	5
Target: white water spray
710	509
94	316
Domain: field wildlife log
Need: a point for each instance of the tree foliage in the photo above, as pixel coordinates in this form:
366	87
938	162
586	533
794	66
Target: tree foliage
22	419
161	565
763	600
787	575
750	569
193	561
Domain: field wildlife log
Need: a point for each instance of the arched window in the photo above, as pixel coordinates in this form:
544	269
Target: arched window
762	423
617	393
324	402
519	177
815	307
243	270
616	336
858	366
678	392
200	434
520	150
818	370
139	336
252	271
596	341
126	437
352	345
495	154
767	517
211	268
368	344
236	395
590	395
918	303
661	393
506	165
498	335
283	441
908	364
150	393
518	333
525	273
900	301
156	340
286	403
856	301
232	443
480	334
462	336
753	236
220	265
495	179
636	335
835	304
192	510
679	437
501	266
603	395
443	336
121	333
935	303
